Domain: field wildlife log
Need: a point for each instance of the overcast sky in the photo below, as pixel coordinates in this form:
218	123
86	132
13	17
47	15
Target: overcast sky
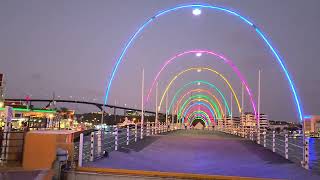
69	47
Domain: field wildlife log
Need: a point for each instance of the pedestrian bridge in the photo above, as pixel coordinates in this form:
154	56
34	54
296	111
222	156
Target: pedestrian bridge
180	154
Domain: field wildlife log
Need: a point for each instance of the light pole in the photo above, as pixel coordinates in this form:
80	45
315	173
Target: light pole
142	105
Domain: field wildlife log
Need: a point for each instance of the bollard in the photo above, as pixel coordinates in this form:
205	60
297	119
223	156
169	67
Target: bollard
92	146
273	141
264	138
116	138
306	154
136	133
99	142
128	135
286	146
80	150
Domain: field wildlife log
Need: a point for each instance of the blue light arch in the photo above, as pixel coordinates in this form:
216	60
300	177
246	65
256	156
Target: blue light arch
206	6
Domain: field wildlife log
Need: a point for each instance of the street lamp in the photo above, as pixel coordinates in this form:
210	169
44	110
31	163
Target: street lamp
196	12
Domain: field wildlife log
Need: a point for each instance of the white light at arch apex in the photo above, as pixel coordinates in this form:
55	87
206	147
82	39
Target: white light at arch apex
196	12
199	54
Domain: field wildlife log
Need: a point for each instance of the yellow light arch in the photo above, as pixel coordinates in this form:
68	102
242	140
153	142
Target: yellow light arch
199	69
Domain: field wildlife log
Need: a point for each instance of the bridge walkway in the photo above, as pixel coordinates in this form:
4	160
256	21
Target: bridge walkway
203	152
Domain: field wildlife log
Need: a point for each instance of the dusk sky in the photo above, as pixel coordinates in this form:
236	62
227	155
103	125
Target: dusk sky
70	47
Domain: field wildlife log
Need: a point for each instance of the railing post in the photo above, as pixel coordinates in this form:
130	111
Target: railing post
92	146
286	146
80	150
273	141
128	134
141	127
258	136
135	132
116	139
99	142
148	128
265	138
306	153
152	128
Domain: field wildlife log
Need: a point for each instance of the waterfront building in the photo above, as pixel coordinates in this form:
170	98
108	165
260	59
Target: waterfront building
312	125
32	118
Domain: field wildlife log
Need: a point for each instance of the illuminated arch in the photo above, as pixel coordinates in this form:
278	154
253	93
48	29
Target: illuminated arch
202	82
200	105
198	113
200	118
198	69
227	61
199	90
199	97
192	100
205	6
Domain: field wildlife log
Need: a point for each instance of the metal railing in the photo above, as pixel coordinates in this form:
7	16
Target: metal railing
98	143
11	147
304	151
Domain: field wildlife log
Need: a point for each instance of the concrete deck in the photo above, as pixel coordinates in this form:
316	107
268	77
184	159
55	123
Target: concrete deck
201	152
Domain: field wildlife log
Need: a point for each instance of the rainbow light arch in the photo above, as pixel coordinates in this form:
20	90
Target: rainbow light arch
199	69
198	113
211	7
200	105
199	97
211	53
200	90
200	118
183	109
201	82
